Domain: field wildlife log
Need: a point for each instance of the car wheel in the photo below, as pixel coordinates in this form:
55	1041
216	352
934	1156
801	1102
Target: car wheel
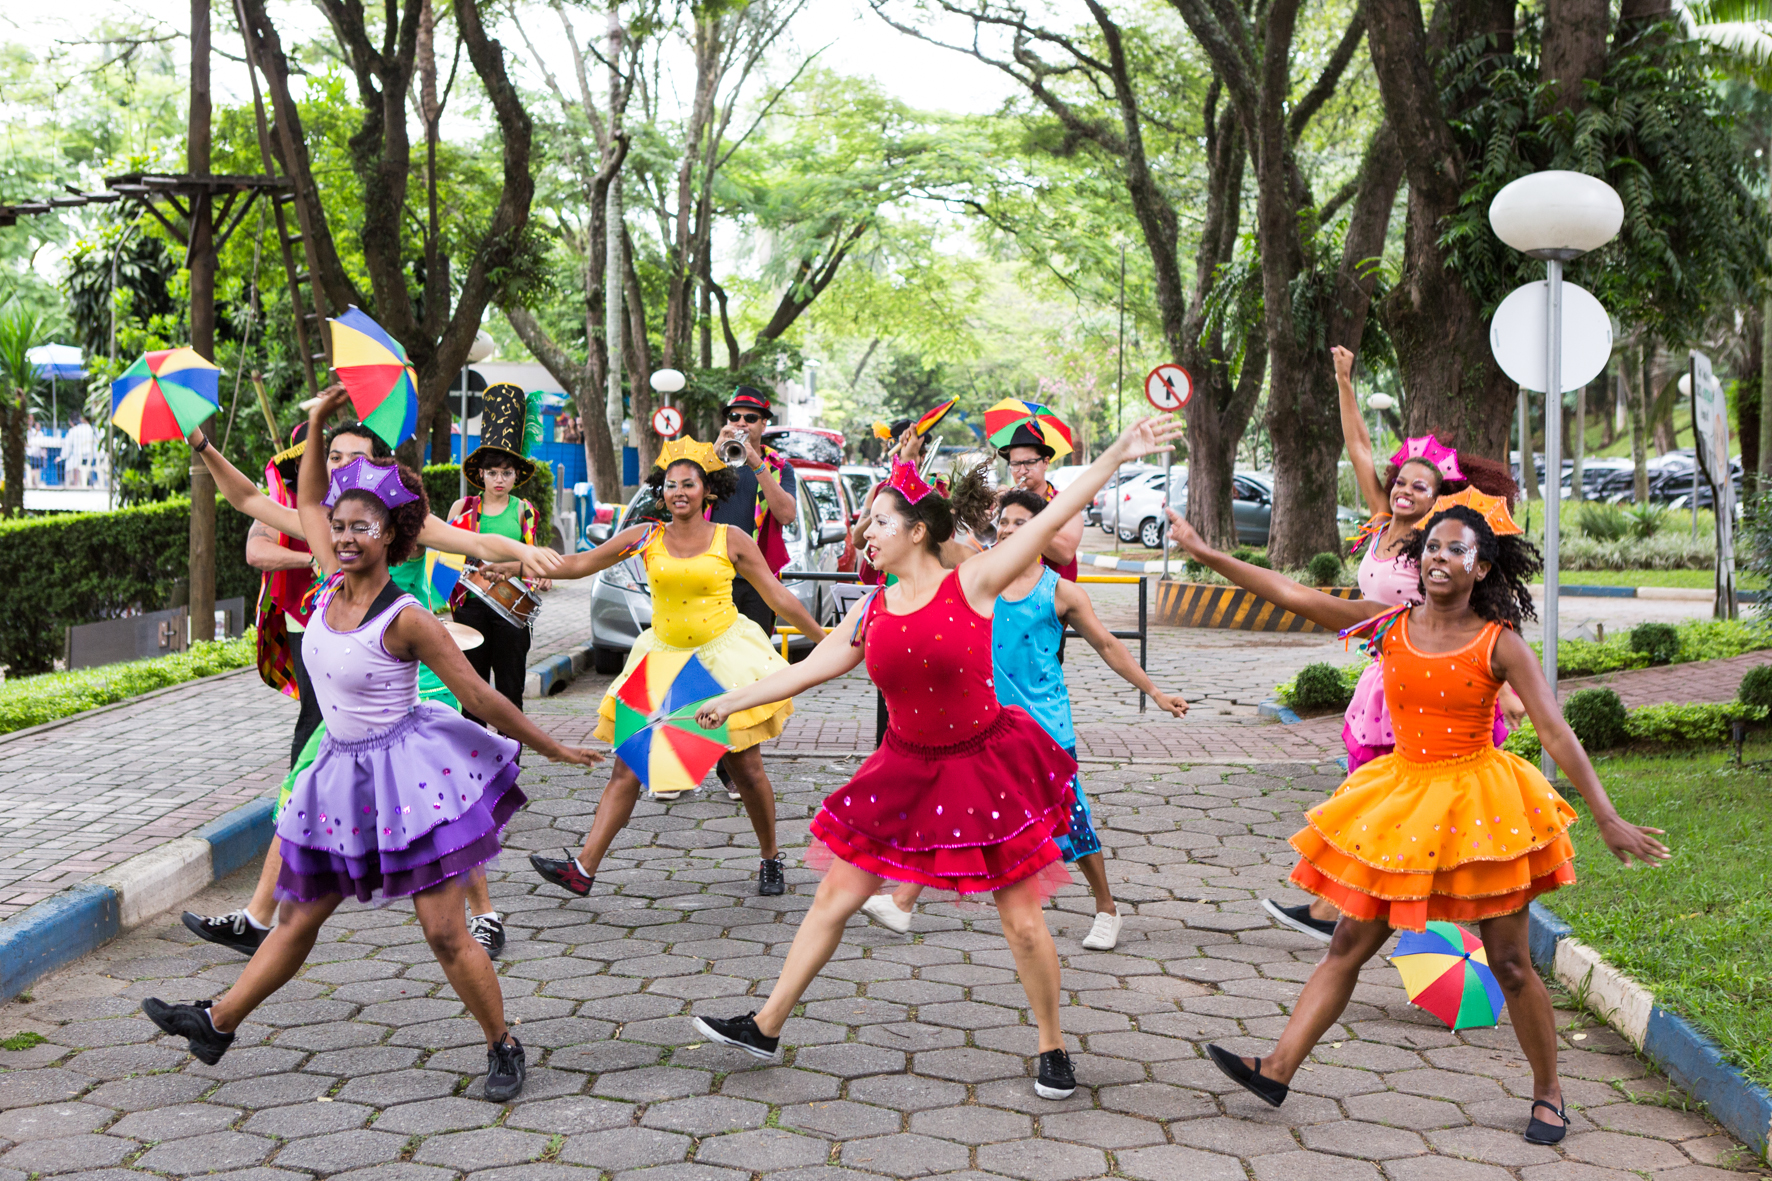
607	661
1150	533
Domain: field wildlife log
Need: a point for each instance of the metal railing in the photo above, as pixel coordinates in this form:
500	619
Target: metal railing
1142	634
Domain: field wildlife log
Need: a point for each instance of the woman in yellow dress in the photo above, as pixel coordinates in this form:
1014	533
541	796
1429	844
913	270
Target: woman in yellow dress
1445	826
690	564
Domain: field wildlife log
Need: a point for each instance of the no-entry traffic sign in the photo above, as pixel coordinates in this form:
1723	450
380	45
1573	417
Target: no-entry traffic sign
667	421
1168	387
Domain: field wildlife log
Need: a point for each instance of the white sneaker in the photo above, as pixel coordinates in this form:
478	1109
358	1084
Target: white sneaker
884	911
1104	933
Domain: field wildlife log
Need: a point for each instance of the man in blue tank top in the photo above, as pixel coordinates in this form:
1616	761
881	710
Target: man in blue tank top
1027	628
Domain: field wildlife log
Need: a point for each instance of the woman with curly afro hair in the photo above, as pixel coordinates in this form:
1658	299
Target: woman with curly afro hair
1446	827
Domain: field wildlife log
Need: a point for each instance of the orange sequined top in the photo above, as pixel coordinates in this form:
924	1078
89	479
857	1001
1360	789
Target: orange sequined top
1442	704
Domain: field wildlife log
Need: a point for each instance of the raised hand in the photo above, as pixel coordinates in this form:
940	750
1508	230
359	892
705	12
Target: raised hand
329	402
1344	363
1183	534
1155	433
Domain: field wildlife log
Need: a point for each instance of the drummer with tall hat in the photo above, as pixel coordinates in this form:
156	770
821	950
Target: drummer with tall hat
497	467
764	504
1028	454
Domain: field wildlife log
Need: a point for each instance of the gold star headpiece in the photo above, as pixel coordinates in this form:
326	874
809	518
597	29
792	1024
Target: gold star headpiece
687	448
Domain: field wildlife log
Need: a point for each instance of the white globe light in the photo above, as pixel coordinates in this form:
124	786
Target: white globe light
668	381
483	347
1381	402
1556	214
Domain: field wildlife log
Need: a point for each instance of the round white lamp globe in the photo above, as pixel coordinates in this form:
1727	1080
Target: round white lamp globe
1381	402
483	347
1556	214
668	381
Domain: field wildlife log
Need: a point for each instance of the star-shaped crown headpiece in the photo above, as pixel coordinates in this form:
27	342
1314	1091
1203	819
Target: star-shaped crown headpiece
1428	449
1493	509
380	480
687	448
905	481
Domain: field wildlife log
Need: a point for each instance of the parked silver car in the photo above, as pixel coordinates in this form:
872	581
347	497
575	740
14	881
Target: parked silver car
621	601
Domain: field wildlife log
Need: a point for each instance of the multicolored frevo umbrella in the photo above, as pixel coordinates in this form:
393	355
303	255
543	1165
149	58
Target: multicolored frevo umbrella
373	367
656	734
165	395
1002	420
1446	972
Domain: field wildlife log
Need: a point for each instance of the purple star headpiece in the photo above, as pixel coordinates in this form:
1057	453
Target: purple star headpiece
1430	450
905	481
381	481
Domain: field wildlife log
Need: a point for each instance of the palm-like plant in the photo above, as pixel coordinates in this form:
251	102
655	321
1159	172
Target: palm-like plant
21	330
1739	34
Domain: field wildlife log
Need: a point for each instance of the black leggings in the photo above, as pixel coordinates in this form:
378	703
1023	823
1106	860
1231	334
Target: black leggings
503	660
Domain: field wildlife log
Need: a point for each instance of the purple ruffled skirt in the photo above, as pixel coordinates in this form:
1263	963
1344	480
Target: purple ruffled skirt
399	811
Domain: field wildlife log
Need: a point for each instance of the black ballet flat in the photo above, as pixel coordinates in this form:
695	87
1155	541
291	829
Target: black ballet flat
1539	1132
1265	1089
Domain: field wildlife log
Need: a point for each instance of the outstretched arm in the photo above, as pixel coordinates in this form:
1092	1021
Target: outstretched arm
1514	662
1273	586
833	657
589	562
1355	435
747	559
538	561
984	577
311	482
241	492
1075	610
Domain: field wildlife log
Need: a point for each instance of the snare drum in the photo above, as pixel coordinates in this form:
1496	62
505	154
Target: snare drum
508	597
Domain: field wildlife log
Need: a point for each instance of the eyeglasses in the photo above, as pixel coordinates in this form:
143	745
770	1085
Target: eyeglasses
1022	465
747	419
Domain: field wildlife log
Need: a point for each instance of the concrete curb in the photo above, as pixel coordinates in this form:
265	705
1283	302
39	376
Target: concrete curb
84	917
552	674
1691	1059
1278	712
165	690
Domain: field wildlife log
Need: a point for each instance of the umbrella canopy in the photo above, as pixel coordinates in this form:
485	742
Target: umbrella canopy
1446	972
63	362
656	734
372	365
1002	420
933	418
165	395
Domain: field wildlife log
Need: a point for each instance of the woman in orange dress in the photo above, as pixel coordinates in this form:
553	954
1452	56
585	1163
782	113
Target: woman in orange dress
1446	826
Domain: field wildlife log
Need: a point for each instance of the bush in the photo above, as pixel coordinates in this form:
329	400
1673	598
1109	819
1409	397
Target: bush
1584	658
1756	687
73	568
1689	725
1524	742
1602	522
31	701
1287	691
1597	716
1324	569
1646	520
443	486
1717	639
1320	687
1658	641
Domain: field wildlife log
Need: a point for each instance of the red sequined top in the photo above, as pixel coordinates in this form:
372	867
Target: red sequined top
933	666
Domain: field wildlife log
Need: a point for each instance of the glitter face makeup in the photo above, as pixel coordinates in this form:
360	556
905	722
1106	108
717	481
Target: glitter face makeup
1470	560
885	526
375	531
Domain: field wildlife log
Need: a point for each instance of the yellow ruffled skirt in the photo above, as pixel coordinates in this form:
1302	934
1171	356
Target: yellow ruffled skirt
737	656
1462	840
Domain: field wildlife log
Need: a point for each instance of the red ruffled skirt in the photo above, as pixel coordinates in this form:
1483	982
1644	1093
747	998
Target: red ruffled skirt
974	817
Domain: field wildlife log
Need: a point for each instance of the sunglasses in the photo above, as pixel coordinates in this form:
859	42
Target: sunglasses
735	416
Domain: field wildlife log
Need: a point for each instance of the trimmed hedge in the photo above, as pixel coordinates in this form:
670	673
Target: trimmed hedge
1693	725
74	568
443	486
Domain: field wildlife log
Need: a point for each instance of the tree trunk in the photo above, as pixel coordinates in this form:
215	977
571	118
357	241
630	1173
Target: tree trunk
12	452
1748	405
1574	50
584	381
1639	425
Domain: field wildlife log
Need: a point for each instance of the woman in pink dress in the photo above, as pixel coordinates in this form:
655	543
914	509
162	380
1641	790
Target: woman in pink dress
964	794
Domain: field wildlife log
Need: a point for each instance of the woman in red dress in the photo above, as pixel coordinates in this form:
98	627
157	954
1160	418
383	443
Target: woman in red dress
964	794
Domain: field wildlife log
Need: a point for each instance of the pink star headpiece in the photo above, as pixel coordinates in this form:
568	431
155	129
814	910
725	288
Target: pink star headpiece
381	481
905	481
1430	450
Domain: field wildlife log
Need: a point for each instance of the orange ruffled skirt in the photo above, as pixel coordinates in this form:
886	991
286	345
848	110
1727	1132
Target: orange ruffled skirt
1462	840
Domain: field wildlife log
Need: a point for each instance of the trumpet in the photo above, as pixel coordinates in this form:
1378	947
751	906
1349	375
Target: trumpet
732	452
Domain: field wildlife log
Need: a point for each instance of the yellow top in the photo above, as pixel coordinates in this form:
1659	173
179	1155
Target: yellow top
691	597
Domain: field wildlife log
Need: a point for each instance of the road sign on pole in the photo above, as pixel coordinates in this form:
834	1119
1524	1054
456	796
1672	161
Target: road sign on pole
667	421
1168	387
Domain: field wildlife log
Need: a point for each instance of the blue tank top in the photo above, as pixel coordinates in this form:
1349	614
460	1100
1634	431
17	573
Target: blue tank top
1025	635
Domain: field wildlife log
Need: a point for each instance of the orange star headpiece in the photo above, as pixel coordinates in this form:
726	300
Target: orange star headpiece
1493	509
687	448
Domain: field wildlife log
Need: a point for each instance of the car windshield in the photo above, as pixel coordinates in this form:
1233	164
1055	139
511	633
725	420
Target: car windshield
805	445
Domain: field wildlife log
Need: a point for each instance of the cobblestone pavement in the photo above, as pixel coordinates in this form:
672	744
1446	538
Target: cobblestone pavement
911	1057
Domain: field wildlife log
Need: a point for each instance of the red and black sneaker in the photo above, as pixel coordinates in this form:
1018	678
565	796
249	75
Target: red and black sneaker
565	874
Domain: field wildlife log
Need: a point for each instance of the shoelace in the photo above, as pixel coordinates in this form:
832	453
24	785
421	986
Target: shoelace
239	920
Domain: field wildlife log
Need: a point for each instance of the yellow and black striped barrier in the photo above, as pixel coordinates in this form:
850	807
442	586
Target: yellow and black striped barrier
1200	604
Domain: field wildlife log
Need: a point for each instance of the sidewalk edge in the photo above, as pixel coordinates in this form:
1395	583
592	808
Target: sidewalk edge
59	930
1689	1058
1279	712
552	674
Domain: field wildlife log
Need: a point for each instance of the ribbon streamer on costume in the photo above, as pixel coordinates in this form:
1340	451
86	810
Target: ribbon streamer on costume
1379	625
860	631
1369	531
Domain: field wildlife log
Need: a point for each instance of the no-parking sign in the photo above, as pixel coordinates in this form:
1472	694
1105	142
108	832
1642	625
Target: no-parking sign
667	421
1168	387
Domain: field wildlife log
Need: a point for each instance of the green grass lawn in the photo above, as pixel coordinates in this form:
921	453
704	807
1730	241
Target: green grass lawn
1702	579
1696	932
31	701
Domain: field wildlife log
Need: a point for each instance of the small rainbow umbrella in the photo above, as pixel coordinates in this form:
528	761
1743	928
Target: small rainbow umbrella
656	734
443	571
165	395
1446	972
1001	421
933	418
373	367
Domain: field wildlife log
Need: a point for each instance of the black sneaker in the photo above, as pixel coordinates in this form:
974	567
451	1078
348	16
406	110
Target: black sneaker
741	1033
231	930
771	877
1056	1079
505	1070
190	1022
488	932
565	874
1299	919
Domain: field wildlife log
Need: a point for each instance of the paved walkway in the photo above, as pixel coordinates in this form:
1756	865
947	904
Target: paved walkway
912	1056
